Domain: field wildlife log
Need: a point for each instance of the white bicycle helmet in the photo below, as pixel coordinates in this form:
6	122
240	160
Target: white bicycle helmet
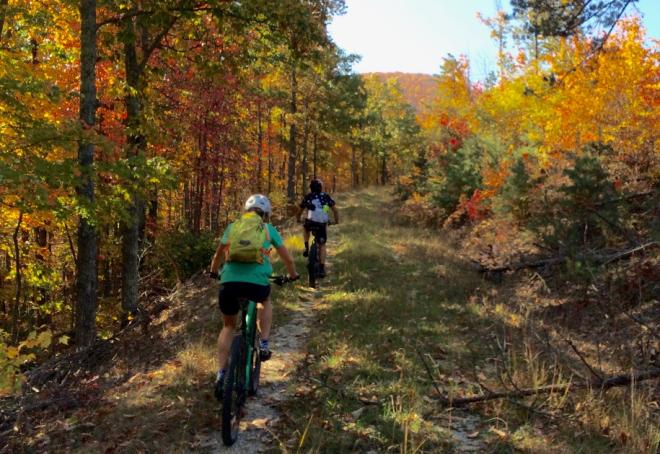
259	201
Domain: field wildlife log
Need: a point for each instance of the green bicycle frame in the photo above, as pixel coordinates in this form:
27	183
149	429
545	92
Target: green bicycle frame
250	333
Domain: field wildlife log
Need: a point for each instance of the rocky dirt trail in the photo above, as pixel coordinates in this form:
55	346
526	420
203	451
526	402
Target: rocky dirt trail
288	346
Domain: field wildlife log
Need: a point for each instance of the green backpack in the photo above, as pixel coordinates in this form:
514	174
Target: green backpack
246	239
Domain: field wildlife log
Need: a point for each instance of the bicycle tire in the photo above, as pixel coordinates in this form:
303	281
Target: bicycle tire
313	265
256	368
234	393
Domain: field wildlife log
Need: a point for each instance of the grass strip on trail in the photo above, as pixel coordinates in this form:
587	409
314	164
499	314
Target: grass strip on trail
394	293
405	323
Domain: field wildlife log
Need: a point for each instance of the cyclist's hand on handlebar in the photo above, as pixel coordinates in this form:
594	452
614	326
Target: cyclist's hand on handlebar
281	280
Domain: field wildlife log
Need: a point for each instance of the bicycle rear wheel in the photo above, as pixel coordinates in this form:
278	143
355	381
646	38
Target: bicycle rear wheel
234	392
313	264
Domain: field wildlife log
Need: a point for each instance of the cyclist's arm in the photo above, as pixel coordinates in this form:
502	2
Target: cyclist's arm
285	255
218	258
335	213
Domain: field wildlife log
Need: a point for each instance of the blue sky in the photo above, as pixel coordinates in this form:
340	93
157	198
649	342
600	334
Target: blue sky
414	35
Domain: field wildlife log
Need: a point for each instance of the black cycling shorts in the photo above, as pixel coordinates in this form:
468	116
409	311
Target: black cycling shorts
318	229
232	292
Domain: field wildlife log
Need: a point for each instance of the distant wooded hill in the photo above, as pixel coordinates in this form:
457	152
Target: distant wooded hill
419	89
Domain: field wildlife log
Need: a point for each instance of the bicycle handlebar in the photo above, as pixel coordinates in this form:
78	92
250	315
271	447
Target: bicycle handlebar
281	280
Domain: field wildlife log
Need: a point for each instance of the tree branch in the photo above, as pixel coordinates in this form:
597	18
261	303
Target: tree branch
604	385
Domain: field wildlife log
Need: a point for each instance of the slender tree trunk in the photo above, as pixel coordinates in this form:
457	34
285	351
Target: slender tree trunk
260	138
86	278
315	153
270	155
107	287
223	177
281	147
363	166
291	180
135	146
19	279
303	169
354	167
215	200
152	217
2	284
187	209
3	13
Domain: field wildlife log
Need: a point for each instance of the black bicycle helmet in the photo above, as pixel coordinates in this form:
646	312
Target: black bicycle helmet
316	185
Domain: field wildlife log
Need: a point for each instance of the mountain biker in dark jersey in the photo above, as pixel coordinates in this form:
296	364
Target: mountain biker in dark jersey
318	204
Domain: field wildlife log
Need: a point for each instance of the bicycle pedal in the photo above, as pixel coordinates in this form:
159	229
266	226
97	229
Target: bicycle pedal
265	355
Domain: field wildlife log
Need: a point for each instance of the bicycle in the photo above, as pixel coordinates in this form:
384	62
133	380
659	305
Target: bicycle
244	367
313	263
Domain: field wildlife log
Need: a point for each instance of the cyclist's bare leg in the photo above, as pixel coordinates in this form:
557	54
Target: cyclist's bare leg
265	318
225	339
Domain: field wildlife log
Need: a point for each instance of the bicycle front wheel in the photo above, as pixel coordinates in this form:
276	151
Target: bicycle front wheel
234	392
256	368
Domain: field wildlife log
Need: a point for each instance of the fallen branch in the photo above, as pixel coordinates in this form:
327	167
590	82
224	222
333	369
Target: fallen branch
549	261
429	373
583	359
604	385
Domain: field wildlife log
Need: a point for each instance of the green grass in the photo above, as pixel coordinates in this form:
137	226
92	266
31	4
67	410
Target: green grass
399	293
395	293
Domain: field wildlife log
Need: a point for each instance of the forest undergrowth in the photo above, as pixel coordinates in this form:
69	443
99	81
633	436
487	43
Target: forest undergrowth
146	389
405	325
408	323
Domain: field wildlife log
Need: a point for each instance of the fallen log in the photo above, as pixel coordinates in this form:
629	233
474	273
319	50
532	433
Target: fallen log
603	385
603	259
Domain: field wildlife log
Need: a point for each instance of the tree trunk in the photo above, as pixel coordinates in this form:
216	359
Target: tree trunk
270	155
291	180
303	169
260	138
135	146
152	217
187	210
3	13
107	287
214	209
383	171
281	147
363	167
86	278
354	167
19	279
315	152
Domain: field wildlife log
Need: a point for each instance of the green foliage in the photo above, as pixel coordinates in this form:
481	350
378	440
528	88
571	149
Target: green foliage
518	192
583	210
183	253
462	174
13	357
588	206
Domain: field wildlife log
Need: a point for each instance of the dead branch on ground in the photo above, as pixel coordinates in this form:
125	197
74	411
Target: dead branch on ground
603	385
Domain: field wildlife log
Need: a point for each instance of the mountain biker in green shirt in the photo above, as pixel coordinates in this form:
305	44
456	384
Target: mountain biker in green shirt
247	280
